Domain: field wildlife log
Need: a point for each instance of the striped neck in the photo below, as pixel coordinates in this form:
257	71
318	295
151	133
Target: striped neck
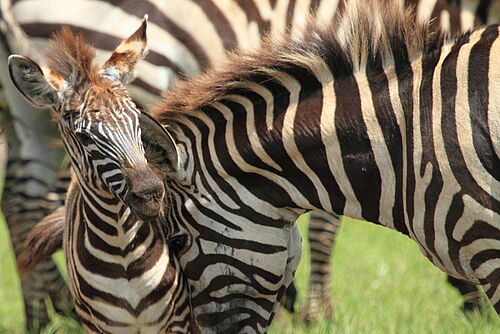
119	264
104	213
111	222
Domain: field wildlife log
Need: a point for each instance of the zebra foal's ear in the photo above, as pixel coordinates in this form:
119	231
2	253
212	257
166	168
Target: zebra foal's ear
29	79
159	146
120	66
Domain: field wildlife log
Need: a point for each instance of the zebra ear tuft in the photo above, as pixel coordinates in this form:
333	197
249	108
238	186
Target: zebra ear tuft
159	146
120	66
29	79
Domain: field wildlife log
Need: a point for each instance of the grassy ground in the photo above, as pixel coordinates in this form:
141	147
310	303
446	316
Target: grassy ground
381	284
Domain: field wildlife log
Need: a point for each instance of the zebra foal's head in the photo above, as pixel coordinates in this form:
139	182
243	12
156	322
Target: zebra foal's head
103	131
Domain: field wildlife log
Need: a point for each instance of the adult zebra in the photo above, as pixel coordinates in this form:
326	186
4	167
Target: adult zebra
220	25
379	99
389	109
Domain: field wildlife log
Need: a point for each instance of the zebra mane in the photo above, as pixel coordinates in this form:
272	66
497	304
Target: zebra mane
71	57
363	34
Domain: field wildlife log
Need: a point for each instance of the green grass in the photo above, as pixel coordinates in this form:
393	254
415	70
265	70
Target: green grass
381	284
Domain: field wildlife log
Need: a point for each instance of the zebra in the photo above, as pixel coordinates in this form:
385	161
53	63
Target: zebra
123	277
316	136
116	196
31	171
463	25
375	157
361	121
220	32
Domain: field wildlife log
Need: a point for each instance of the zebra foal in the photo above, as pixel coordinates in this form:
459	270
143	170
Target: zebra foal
123	276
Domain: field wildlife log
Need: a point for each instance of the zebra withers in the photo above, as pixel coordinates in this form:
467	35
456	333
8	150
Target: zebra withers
123	276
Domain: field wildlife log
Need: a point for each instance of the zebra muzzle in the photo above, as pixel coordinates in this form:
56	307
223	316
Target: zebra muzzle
145	195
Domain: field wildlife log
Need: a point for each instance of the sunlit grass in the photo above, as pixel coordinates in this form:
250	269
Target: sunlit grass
381	284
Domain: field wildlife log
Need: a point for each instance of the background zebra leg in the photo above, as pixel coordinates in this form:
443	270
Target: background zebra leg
45	282
321	234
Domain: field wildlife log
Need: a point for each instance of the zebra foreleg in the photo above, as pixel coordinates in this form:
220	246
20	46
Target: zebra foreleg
321	234
290	298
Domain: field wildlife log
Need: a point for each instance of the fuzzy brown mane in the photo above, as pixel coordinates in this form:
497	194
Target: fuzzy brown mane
365	31
70	56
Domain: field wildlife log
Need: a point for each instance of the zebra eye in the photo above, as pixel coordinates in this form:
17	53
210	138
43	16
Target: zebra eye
84	138
177	243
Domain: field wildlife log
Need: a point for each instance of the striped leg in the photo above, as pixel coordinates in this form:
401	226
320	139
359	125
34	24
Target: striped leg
322	233
290	297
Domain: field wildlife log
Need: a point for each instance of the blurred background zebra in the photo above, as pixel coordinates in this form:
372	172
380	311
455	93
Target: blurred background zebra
185	37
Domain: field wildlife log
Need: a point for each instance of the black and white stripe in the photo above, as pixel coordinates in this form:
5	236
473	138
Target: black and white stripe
122	274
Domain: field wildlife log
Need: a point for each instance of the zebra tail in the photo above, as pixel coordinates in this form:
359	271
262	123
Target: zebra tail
45	239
